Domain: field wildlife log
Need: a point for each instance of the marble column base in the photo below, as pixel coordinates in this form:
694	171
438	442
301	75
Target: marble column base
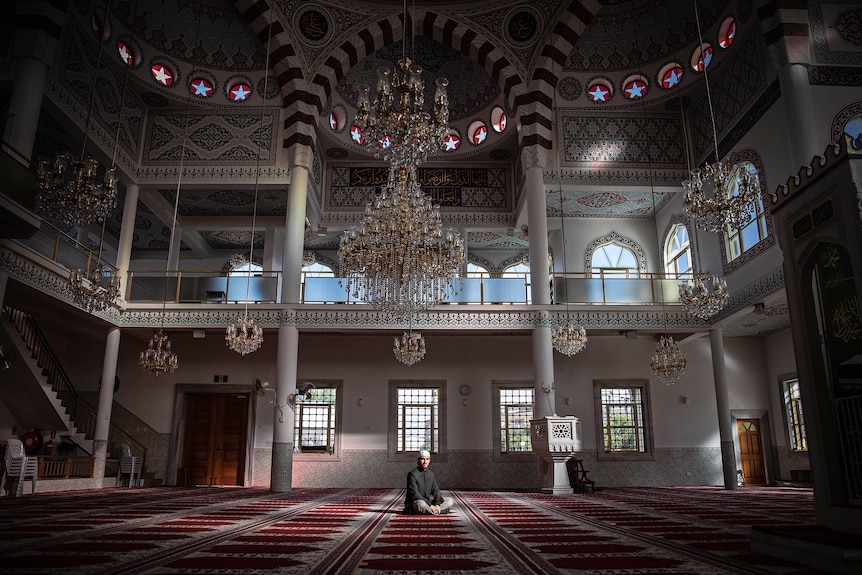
281	478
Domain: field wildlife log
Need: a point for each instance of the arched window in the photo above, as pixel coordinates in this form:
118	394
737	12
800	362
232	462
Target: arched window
520	271
755	231
244	270
316	270
677	252
476	271
615	259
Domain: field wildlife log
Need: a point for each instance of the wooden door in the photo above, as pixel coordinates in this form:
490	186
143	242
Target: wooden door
215	439
751	451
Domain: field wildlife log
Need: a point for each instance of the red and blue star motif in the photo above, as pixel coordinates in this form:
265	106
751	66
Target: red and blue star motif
635	89
202	87
356	135
240	92
672	77
451	143
480	134
598	93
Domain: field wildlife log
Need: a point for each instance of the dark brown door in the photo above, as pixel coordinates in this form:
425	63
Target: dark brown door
215	439
751	451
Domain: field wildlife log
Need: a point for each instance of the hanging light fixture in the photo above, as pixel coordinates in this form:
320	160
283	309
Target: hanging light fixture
395	125
410	347
400	260
710	194
88	288
158	357
243	336
701	297
668	364
78	192
568	338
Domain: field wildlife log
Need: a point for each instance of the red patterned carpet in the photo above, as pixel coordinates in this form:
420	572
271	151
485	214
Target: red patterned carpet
180	531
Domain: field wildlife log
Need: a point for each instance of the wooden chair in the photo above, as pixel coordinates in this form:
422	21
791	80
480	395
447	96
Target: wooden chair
578	478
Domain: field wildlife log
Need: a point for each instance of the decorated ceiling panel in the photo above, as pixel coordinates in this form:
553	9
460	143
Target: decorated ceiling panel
195	202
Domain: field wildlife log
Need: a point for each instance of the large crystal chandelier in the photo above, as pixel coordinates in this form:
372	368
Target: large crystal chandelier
394	123
243	336
711	195
399	260
701	300
409	348
72	191
568	338
158	357
669	363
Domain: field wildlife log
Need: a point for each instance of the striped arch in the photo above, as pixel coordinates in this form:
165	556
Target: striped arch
534	107
301	107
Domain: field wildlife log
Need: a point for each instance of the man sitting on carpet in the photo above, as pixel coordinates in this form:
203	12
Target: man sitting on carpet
423	494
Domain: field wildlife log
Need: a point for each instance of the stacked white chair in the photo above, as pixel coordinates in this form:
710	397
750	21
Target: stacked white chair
130	465
19	465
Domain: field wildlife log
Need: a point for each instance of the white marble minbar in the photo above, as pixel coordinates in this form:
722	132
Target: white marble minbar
555	438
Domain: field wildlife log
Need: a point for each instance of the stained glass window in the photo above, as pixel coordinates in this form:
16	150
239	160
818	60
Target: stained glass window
201	87
671	76
333	121
498	119
451	142
356	134
96	24
125	52
599	92
478	132
635	88
162	75
240	91
701	58
727	32
385	142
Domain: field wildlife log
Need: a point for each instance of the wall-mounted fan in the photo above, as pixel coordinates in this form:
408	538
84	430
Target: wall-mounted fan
303	392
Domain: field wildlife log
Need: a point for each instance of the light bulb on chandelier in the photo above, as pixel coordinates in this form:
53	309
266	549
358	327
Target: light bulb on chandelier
158	357
409	348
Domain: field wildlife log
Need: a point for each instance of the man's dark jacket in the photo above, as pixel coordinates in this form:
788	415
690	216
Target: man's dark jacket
421	484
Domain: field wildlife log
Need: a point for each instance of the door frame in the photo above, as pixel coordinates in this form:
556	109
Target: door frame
762	416
178	424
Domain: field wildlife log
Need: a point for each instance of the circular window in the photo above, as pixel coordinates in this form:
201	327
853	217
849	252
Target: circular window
162	74
356	134
727	32
384	142
477	131
239	92
201	87
337	118
670	75
635	87
128	53
600	91
498	119
702	57
452	141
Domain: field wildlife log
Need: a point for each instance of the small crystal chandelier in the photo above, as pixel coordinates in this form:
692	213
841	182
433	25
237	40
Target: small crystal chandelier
243	336
399	260
409	348
569	338
669	363
88	291
700	300
158	357
394	123
711	195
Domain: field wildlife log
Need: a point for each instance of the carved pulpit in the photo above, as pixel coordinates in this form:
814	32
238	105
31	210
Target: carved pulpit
555	438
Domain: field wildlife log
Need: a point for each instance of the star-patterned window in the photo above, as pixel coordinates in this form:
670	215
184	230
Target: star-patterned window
201	87
126	52
384	142
337	118
702	57
498	119
477	132
600	91
356	134
727	32
162	74
239	92
670	75
635	87
452	141
96	24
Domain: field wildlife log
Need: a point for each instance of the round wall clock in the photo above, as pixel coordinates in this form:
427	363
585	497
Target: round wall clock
465	390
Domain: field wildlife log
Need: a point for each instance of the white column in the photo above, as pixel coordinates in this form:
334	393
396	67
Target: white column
24	105
537	220
281	479
127	232
725	423
106	401
294	240
543	372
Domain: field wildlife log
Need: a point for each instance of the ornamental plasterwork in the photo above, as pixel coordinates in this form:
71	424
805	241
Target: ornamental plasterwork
834	47
754	292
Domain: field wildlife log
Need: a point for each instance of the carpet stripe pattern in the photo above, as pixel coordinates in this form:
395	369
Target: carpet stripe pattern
184	531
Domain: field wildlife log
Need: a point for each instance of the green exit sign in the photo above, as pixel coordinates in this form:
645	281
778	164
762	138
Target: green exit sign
219	379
